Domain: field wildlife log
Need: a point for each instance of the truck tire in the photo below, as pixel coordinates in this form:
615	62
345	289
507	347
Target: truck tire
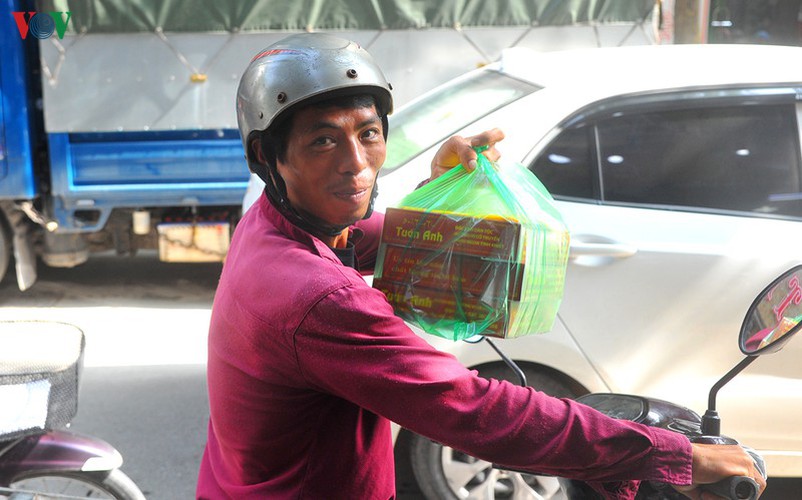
443	473
5	248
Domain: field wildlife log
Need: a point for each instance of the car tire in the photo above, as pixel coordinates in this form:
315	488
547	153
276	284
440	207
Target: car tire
443	473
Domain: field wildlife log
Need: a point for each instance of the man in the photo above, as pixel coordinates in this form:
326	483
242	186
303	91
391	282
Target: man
308	364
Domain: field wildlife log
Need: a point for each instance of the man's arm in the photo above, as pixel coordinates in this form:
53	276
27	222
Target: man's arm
370	357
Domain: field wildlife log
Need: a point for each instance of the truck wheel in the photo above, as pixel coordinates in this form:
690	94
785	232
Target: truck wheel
443	473
5	249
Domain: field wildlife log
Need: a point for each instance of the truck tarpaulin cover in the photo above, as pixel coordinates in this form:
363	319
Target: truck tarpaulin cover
122	16
475	253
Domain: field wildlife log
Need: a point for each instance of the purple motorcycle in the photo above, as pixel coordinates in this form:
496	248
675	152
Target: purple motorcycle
40	366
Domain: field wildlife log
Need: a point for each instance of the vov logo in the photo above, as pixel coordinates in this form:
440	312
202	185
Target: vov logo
41	24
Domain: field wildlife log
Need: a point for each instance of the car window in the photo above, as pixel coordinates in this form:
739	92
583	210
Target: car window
415	129
565	167
743	158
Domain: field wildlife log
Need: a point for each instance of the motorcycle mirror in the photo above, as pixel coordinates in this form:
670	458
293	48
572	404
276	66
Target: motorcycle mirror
772	319
775	315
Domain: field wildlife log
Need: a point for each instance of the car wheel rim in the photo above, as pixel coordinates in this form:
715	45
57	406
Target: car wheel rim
474	479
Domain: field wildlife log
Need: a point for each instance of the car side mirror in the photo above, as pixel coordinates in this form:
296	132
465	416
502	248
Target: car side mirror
775	315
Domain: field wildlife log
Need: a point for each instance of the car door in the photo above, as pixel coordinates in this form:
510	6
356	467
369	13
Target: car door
682	208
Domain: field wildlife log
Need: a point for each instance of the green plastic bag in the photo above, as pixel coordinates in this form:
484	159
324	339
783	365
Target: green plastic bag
475	253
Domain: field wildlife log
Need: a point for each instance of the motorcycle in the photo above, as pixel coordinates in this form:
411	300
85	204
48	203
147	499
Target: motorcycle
40	366
773	318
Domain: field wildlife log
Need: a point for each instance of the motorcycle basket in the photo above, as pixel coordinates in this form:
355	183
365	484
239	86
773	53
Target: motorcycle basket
40	364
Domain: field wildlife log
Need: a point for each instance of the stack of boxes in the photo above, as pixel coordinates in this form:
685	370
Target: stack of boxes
455	274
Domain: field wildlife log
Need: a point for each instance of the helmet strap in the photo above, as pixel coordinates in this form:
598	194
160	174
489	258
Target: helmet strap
276	193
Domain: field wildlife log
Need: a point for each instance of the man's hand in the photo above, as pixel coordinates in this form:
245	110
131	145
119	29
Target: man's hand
712	463
459	150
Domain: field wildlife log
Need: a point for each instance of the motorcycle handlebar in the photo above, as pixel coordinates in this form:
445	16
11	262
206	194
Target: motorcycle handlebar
740	487
736	488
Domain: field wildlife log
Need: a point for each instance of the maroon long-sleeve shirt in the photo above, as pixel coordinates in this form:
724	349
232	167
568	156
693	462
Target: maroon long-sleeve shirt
308	365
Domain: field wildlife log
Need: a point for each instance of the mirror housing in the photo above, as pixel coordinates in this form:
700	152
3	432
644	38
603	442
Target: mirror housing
774	316
772	319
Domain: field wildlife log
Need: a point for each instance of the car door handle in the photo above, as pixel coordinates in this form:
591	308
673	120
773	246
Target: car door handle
596	249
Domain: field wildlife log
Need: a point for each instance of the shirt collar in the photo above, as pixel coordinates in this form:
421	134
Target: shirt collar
294	232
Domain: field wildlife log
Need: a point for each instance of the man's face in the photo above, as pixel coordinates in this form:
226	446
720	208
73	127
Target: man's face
332	158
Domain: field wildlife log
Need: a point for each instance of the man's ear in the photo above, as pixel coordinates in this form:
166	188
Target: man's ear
256	149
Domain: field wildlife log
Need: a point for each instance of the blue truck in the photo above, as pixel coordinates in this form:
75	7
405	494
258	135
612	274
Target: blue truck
85	164
117	121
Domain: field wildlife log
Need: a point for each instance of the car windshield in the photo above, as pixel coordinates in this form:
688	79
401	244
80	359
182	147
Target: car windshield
416	128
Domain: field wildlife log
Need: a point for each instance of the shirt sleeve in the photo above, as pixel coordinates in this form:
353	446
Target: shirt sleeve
352	345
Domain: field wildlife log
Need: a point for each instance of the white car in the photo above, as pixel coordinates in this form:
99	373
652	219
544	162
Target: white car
678	172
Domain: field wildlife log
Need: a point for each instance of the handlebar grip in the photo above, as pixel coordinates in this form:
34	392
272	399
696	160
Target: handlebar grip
734	488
